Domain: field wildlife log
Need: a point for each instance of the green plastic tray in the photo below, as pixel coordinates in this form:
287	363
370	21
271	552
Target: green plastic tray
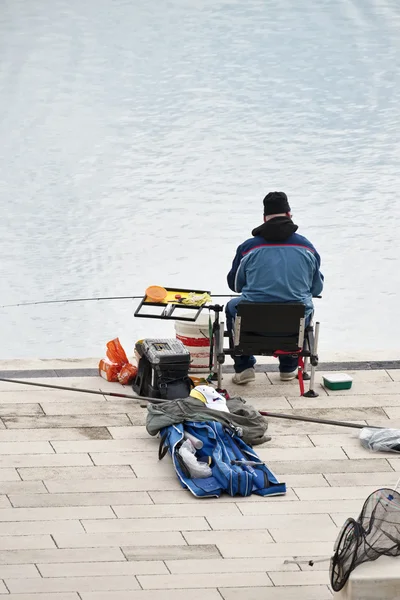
337	381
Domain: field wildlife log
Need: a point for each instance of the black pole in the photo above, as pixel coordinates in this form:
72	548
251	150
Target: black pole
94	299
314	420
73	300
159	401
72	389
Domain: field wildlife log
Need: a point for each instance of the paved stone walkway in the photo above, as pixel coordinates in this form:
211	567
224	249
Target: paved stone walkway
87	511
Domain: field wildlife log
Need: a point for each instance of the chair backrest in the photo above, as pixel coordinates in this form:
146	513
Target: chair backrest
263	328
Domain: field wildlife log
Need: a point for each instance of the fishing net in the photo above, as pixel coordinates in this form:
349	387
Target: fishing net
375	533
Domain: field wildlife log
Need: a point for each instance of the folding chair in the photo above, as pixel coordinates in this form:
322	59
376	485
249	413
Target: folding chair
270	329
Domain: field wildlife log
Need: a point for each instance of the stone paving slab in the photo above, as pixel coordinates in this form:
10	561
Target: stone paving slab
56	555
173	594
146	524
233	536
22	487
340	402
286	427
24	528
35	364
67	473
56	513
87	512
298	507
69	421
82	407
362	465
24	395
110	482
193	551
51	434
72	584
9	475
113	569
285	551
306	534
62	596
110	540
179	496
315	592
114	499
204	580
45	460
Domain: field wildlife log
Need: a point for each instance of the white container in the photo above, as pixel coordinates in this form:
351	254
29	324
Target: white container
337	381
194	335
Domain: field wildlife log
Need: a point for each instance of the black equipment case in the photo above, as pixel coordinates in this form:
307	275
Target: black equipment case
162	369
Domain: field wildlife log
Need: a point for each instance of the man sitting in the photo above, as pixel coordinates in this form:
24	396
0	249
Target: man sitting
275	265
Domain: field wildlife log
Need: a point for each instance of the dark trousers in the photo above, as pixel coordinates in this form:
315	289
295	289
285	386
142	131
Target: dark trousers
287	364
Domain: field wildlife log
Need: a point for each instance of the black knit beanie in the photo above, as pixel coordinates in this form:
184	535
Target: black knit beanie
275	203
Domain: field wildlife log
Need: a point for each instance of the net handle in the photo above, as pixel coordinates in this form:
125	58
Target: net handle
310	562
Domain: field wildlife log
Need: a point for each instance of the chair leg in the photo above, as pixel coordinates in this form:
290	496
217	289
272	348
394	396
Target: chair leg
308	344
214	343
300	374
306	376
219	352
314	362
309	341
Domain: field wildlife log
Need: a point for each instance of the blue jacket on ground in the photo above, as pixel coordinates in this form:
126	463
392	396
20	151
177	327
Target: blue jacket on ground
277	265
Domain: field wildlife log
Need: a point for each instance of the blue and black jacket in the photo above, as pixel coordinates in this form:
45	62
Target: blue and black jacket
277	265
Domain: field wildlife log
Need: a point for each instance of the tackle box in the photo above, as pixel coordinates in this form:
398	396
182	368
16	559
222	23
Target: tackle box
337	381
162	369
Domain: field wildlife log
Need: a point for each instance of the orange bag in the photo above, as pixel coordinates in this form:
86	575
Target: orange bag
108	370
127	374
116	367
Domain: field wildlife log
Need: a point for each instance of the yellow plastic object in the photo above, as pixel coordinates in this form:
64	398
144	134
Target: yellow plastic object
196	299
198	395
180	297
156	293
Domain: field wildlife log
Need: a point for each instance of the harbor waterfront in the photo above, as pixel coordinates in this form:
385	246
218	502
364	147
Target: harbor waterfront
138	140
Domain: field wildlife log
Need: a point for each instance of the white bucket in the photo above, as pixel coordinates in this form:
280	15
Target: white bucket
194	335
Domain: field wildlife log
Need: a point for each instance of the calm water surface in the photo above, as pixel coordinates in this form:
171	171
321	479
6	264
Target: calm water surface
139	138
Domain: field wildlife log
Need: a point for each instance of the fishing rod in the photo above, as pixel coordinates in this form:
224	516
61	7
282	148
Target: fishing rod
315	420
94	299
73	300
159	401
83	390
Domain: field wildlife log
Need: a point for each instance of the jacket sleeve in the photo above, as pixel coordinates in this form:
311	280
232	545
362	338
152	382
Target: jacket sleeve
318	279
232	275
